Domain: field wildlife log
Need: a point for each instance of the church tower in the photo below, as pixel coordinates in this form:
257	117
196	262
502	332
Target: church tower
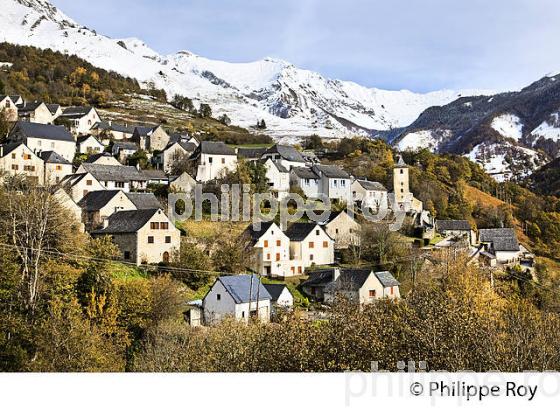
401	185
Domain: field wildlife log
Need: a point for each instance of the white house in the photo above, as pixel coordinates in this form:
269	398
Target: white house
370	194
241	297
307	180
343	229
17	159
88	144
56	167
80	184
9	108
335	183
502	243
278	178
213	160
36	112
182	183
285	155
55	110
272	250
82	119
124	149
362	286
121	177
44	137
280	294
98	206
309	245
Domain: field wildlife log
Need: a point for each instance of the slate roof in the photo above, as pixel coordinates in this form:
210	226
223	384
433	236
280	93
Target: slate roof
251	153
105	126
52	157
188	146
96	200
14	98
118	173
287	152
255	235
7	148
126	145
371	185
331	171
215	148
144	131
387	279
84	138
94	157
319	278
489	235
305	173
401	163
53	108
144	200
300	230
505	244
275	290
76	112
154	174
26	108
453	225
239	287
43	131
127	221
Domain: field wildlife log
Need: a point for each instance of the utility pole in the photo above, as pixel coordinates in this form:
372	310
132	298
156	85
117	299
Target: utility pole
250	297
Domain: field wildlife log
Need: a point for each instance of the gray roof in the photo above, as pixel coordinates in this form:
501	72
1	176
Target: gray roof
401	163
83	138
352	279
127	221
154	174
104	125
505	244
305	173
319	278
53	108
144	130
126	145
275	290
489	235
96	200
188	146
215	148
331	171
43	131
453	225
144	200
286	152
239	287
371	185
94	157
52	157
251	153
386	279
255	234
7	148
76	112
119	173
300	230
27	107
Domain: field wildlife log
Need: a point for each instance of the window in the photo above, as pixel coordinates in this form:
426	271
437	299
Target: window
325	244
402	191
89	182
59	167
343	182
293	270
372	293
7	104
278	242
13	156
311	245
52	144
127	255
223	160
392	290
30	168
266	244
277	257
150	239
218	297
311	257
154	225
26	156
15	167
402	171
299	270
336	231
335	182
119	184
164	225
318	232
210	160
168	239
268	256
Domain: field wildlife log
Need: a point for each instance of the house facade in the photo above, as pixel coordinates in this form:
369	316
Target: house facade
125	178
36	112
17	159
82	119
80	184
309	245
285	155
150	138
174	152
272	251
280	294
458	229
361	286
44	137
56	167
278	178
335	183
371	195
306	180
88	144
343	229
213	160
241	297
98	206
9	108
143	236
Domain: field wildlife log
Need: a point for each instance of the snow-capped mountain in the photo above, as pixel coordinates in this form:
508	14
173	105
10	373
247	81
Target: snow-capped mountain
292	101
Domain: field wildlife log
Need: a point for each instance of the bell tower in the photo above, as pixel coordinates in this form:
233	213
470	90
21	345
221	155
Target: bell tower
401	185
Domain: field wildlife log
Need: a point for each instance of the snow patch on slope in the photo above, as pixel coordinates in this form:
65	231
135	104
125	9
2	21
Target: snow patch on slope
430	139
548	130
509	126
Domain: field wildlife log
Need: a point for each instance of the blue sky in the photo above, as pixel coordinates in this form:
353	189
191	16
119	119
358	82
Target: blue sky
421	45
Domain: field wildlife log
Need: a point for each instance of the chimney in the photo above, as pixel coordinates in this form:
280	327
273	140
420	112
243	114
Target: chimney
336	274
105	223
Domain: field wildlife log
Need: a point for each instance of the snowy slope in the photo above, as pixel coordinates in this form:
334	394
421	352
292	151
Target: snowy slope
548	130
509	126
292	101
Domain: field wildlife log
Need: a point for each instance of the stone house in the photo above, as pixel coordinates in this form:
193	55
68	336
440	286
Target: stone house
213	160
371	195
121	177
150	138
17	159
107	130
271	250
66	201
241	297
80	184
144	236
9	108
174	152
88	144
362	286
182	183
98	206
44	137
502	243
343	229
56	167
456	229
124	149
36	112
82	119
309	245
